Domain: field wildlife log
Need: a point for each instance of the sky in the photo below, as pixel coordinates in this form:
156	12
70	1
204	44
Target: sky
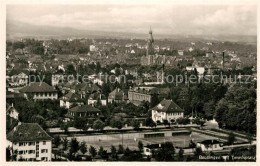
164	19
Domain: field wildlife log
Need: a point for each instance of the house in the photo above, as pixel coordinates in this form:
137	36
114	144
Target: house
57	79
94	98
166	110
210	145
149	148
137	95
18	77
84	111
85	89
117	96
181	52
200	70
11	111
31	142
70	99
40	91
210	54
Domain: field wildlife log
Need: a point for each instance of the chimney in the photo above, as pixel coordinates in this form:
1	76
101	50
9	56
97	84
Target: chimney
223	62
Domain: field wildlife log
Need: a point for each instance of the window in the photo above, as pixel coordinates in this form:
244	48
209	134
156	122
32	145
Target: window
44	151
31	151
44	142
31	143
44	158
21	152
20	144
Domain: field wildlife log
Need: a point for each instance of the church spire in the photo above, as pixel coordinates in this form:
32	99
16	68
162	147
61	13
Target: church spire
151	35
150	43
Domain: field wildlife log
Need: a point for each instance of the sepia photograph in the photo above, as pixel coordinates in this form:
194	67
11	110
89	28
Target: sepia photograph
139	82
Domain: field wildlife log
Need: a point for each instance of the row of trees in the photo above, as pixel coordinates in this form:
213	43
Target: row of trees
74	150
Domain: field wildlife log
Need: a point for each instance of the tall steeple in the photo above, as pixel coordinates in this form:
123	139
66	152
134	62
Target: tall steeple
151	36
150	44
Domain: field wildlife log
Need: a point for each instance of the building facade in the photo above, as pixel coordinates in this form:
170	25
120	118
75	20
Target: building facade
210	145
70	99
167	110
30	142
117	96
40	91
84	111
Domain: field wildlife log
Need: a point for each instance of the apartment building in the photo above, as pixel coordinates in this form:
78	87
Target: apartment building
30	142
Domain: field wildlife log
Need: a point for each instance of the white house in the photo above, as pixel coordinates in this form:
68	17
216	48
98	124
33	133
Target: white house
166	110
210	145
147	150
11	111
56	79
181	52
18	78
30	142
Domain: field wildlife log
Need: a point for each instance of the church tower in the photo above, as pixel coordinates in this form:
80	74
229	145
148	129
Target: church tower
150	43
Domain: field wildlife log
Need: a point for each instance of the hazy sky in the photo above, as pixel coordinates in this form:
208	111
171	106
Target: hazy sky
164	19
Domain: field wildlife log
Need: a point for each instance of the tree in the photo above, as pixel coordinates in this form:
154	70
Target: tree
86	127
180	154
154	100
127	152
64	127
136	124
192	144
83	147
209	109
237	110
140	146
71	69
98	67
198	152
92	151
56	140
113	153
120	149
98	125
105	89
231	138
65	143
79	122
149	122
165	153
117	123
102	152
74	145
165	122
